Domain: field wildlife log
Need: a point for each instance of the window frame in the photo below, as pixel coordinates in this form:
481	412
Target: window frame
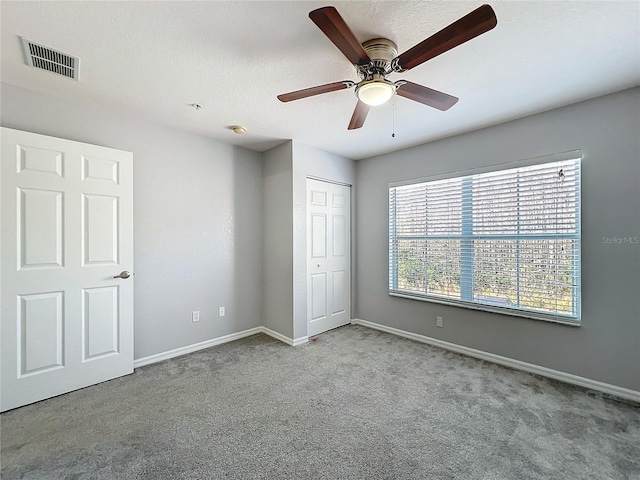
572	320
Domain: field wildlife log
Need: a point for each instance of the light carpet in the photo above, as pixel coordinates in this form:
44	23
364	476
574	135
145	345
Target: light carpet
356	404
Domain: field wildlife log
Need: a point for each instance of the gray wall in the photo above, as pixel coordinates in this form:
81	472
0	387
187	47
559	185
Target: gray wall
284	208
607	346
197	218
277	234
309	161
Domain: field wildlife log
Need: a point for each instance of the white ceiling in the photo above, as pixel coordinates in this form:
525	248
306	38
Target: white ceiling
156	58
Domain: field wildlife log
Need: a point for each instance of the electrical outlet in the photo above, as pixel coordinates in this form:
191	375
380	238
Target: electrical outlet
221	312
195	316
439	322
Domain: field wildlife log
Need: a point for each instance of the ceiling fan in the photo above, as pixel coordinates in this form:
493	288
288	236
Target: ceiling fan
376	59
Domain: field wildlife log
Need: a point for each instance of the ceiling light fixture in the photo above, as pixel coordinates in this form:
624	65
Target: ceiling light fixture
375	92
239	130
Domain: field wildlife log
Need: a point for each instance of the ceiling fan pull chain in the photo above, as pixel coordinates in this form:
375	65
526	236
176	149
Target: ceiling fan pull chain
393	116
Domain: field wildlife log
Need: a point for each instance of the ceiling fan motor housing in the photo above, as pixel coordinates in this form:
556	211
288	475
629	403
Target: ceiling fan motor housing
374	88
381	51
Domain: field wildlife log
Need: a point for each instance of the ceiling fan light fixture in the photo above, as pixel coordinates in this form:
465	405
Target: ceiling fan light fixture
375	92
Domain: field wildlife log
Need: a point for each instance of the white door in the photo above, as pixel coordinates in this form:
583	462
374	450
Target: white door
67	229
328	256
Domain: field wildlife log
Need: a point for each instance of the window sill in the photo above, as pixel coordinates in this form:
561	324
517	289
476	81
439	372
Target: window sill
488	308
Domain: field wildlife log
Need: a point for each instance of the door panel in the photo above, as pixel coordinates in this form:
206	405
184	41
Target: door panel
100	321
338	201
40	335
339	236
40	214
100	169
318	197
100	230
329	260
67	229
339	288
318	235
318	296
39	160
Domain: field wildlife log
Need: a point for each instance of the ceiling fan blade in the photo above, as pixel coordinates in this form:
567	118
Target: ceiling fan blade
427	96
481	20
359	115
333	25
310	92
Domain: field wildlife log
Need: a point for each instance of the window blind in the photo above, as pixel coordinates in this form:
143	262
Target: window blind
506	240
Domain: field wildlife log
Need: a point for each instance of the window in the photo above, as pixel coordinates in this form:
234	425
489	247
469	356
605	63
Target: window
506	241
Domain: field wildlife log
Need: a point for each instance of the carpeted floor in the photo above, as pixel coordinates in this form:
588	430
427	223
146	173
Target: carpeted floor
356	404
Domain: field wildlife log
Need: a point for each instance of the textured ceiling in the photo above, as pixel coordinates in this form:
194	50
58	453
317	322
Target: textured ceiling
156	58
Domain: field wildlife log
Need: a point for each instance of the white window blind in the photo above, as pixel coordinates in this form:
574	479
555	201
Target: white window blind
505	241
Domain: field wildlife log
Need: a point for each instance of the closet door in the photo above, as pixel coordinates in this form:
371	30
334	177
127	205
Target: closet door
66	257
328	256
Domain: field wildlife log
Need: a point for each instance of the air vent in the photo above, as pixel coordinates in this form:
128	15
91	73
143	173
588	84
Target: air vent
51	60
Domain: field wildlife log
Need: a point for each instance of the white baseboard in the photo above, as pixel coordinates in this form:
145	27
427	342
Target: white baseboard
300	341
159	357
289	341
607	388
